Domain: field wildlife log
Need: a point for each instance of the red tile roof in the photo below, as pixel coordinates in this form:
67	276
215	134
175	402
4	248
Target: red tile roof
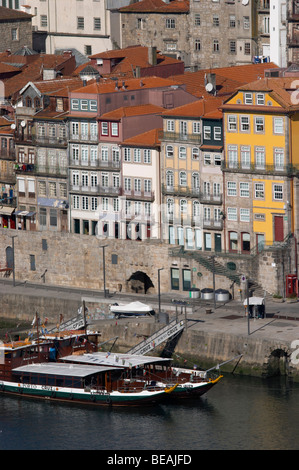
157	6
146	139
127	111
7	14
201	108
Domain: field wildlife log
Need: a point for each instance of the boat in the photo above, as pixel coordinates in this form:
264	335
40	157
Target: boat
22	374
154	371
135	309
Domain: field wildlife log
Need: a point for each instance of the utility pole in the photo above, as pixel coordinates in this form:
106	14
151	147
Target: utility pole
104	271
159	293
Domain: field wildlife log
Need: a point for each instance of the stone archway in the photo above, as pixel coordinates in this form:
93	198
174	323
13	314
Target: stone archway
278	363
139	282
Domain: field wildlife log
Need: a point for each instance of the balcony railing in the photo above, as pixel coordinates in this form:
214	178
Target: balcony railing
139	195
8	154
84	137
237	167
186	191
96	164
180	137
96	190
50	141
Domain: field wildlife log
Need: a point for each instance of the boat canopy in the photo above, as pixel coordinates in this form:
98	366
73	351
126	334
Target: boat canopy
62	369
133	307
121	360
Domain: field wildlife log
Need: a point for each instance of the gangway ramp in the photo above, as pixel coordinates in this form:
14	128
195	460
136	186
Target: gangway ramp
164	334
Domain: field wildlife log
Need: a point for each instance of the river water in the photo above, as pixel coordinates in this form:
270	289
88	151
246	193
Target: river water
239	413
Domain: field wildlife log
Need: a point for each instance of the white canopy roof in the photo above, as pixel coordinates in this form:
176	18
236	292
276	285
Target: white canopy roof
255	301
137	307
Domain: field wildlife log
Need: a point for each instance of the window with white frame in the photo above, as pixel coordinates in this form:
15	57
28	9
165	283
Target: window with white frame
170	206
94	203
248	98
207	214
115	180
169	178
75	178
127	184
182	152
244	215
127	154
137	155
217	133
84	154
232	213
259	124
147	209
170	125
216	189
93	179
170	23
279	159
147	156
84	201
115	204
245	124
147	185
232	156
84	178
260	99
75	152
183	206
195	208
104	154
195	153
260	157
217	159
231	188
259	190
169	151
196	127
137	185
105	180
278	125
114	129
104	128
207	159
183	178
105	204
206	189
244	189
277	192
245	156
93	154
115	154
76	202
232	123
207	132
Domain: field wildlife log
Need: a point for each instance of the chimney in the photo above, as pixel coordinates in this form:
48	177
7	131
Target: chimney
152	55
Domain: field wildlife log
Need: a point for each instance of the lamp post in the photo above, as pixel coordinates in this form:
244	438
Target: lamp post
159	293
104	272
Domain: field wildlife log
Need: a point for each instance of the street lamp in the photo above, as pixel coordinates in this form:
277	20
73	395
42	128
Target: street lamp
104	273
159	293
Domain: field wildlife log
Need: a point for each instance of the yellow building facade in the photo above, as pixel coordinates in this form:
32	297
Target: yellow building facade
261	132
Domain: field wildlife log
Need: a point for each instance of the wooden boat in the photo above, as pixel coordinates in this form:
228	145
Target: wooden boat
22	374
155	371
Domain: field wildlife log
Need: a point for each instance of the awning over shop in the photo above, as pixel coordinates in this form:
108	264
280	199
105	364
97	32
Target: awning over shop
24	213
6	210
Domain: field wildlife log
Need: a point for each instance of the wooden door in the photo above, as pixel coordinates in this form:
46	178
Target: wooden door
278	228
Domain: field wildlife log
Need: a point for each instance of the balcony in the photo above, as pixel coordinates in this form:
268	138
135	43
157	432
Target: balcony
96	190
50	141
139	195
186	191
96	164
180	137
48	170
94	138
237	167
213	224
7	154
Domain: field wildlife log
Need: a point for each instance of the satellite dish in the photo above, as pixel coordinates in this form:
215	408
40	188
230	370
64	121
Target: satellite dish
245	2
209	87
13	126
23	123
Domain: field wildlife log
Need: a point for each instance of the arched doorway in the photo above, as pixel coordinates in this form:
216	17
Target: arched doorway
140	282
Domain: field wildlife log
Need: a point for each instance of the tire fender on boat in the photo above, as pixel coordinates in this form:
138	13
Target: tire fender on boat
108	400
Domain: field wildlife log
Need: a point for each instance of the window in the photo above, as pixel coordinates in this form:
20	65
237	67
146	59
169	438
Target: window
170	23
94	107
147	186
175	278
76	202
245	124
32	262
170	125
259	191
97	24
170	205
260	98
87	49
207	132
278	159
169	151
197	45
137	185
277	192
246	22
147	156
217	159
207	159
183	206
232	213
244	189
94	203
232	123
231	188
247	48
169	179
215	20
42	188
137	155
127	154
233	241
182	152
244	215
278	125
183	178
259	124
197	19
105	180
44	21
104	128
232	156
245	157
114	128
80	22
245	238
186	279
104	154
14	34
196	127
232	21
75	104
217	133
127	184
260	157
195	153
141	23
248	98
216	45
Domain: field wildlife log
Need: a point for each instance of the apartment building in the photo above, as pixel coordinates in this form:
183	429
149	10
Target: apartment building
261	137
8	200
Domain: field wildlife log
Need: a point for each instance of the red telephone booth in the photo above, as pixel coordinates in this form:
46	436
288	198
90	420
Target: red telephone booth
291	284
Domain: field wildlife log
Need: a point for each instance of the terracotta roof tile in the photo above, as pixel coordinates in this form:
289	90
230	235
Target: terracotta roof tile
127	111
10	14
200	108
157	6
146	139
109	86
